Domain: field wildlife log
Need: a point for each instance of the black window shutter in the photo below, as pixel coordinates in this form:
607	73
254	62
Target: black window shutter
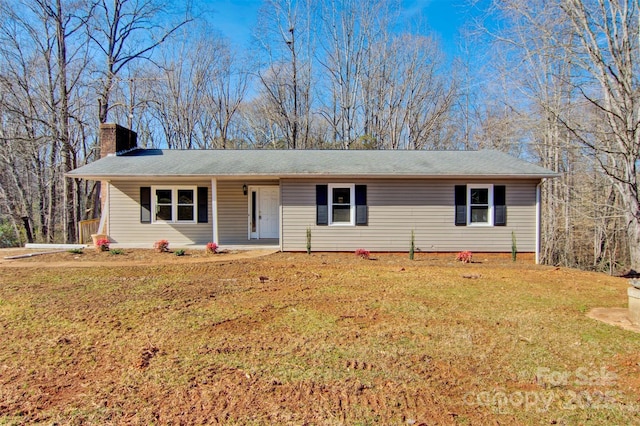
461	205
499	205
361	204
203	204
145	204
322	205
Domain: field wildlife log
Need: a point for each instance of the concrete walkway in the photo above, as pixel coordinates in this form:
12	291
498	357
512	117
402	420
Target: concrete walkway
614	316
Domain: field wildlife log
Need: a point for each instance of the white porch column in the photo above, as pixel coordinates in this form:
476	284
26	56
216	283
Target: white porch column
214	209
103	227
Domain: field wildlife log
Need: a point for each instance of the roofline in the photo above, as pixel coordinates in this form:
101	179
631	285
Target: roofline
312	176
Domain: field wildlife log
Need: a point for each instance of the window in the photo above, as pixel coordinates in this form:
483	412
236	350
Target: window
480	205
341	204
174	205
254	211
186	205
164	203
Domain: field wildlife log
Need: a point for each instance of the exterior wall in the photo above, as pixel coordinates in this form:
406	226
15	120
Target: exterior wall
124	218
395	207
233	210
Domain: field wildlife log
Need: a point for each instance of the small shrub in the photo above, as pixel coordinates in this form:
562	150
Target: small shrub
161	246
102	244
363	253
116	252
514	247
212	248
464	256
180	252
308	240
76	251
412	246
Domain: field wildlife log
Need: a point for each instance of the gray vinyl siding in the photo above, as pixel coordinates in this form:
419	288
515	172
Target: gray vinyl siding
395	207
124	218
233	210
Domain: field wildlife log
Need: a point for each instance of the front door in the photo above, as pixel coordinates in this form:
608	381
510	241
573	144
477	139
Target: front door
264	204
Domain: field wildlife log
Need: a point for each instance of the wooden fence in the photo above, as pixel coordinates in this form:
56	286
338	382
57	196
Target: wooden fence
87	227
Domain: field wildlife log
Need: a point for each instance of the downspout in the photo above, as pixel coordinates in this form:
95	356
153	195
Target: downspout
538	222
214	210
280	213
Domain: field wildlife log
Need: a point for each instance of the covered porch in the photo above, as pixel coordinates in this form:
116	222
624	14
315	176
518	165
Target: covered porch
246	213
266	243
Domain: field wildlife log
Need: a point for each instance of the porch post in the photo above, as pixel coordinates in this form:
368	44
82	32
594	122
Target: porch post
214	209
103	227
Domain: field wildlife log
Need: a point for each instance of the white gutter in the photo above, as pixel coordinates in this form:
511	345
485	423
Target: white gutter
396	176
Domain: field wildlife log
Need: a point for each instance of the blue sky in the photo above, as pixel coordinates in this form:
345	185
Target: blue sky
444	17
235	18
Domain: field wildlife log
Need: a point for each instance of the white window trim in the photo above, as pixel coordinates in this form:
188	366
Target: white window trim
490	207
174	203
352	203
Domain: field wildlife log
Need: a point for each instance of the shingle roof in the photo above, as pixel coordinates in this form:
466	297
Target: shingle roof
149	163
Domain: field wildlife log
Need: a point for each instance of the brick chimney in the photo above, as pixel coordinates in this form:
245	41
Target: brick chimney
115	139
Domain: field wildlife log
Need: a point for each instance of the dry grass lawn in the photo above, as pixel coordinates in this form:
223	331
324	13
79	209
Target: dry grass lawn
146	338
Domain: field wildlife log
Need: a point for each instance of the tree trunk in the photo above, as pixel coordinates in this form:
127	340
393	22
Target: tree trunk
632	217
69	223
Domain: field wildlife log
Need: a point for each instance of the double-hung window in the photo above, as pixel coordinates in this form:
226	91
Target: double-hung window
341	204
174	204
480	203
186	203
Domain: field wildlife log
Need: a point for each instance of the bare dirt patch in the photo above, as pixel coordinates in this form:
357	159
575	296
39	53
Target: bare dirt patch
320	339
125	257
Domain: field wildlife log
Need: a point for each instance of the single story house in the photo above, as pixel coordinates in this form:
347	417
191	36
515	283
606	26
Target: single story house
451	200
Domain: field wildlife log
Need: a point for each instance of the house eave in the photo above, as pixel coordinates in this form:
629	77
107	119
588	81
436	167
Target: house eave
184	177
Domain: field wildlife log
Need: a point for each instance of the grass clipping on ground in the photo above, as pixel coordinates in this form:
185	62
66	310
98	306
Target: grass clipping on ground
326	339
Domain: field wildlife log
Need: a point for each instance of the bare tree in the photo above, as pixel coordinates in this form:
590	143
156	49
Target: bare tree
284	38
529	88
181	104
382	89
125	31
258	126
227	92
349	31
45	38
571	94
606	49
198	91
67	22
405	96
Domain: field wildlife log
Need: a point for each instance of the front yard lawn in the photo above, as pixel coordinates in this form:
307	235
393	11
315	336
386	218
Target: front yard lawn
320	339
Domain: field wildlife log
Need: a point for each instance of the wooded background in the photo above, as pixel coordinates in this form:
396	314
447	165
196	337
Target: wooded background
553	82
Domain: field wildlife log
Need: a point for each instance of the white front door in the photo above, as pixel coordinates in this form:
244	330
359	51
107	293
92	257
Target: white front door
264	209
